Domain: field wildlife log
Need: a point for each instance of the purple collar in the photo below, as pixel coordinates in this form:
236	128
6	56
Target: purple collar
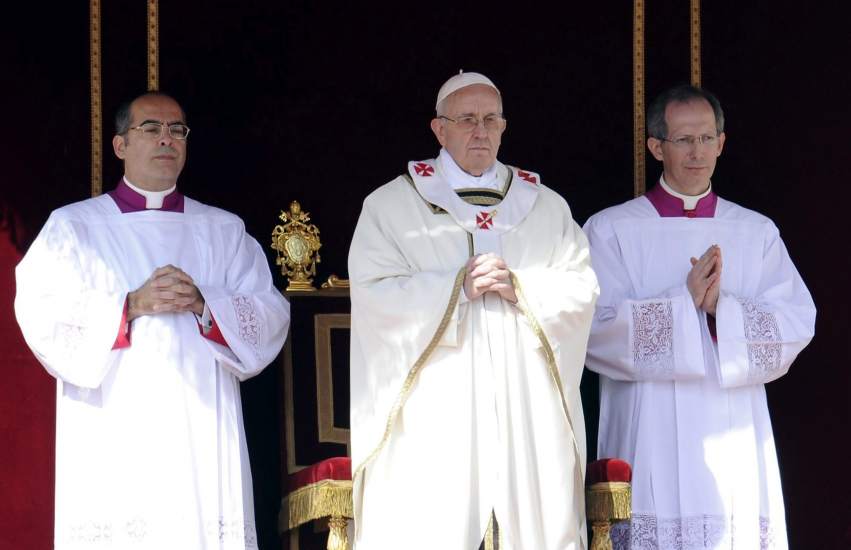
128	200
669	206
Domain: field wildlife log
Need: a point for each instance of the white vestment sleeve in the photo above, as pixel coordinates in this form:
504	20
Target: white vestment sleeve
760	335
251	314
396	310
561	296
640	338
67	318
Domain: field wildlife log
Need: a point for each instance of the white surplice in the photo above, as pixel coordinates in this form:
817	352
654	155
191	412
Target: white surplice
482	422
688	413
150	448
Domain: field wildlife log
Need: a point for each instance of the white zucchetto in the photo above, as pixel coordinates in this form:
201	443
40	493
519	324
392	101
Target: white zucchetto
462	80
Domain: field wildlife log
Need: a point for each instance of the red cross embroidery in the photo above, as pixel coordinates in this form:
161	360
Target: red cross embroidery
527	176
423	169
485	219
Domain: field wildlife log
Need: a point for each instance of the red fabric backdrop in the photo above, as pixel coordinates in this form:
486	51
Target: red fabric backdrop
26	423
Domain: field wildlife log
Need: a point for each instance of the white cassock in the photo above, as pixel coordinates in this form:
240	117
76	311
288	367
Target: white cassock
463	408
150	448
690	415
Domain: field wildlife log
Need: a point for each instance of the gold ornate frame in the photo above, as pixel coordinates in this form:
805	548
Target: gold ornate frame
153	45
95	96
638	94
695	42
322	325
638	121
327	433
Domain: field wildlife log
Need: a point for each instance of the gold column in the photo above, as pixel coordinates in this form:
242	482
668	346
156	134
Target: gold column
638	96
95	98
695	43
153	45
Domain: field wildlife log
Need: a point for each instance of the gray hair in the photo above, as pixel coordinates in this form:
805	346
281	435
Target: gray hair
684	93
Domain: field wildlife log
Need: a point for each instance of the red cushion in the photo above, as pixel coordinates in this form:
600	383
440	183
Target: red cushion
339	468
608	469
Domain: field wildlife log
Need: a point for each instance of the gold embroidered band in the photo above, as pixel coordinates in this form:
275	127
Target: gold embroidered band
638	96
695	43
523	306
153	45
95	96
408	384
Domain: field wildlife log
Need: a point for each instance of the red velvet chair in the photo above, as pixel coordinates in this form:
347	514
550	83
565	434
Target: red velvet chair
608	498
319	491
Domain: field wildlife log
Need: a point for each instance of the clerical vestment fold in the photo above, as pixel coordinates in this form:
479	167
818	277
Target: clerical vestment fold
491	420
150	448
689	412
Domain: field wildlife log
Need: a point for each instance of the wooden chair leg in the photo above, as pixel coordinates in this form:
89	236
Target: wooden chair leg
338	538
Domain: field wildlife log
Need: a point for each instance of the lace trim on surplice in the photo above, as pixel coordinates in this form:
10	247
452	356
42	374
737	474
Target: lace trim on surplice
91	532
72	329
249	325
648	532
106	534
763	335
69	338
653	337
233	530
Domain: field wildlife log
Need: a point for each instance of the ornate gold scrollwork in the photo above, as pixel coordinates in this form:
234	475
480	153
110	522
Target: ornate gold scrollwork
335	282
297	244
638	122
95	96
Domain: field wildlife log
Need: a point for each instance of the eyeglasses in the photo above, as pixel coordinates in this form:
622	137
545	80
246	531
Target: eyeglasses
683	142
491	122
154	130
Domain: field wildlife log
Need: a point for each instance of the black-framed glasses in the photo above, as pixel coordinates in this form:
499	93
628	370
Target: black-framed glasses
683	142
468	123
154	130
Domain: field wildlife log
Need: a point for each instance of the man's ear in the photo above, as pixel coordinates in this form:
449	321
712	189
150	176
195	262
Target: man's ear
437	128
722	137
118	145
655	147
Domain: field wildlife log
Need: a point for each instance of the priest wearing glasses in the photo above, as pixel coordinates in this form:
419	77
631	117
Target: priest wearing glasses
472	296
149	308
700	307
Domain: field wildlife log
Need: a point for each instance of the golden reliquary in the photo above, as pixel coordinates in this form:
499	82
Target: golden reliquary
297	243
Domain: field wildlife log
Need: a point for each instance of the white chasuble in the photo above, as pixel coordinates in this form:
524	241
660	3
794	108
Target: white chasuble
461	408
688	413
150	448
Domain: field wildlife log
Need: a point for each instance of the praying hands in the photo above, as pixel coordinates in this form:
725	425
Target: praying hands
704	279
488	273
168	290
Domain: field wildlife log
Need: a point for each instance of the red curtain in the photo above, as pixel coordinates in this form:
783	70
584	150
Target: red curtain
27	422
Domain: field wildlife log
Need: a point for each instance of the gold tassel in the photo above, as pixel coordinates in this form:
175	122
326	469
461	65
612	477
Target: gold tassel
329	497
338	539
609	501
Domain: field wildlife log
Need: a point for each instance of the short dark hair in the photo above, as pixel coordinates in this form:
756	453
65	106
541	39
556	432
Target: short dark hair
123	115
683	93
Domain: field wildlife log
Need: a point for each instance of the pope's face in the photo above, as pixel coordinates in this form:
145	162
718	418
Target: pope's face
152	163
688	167
474	150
